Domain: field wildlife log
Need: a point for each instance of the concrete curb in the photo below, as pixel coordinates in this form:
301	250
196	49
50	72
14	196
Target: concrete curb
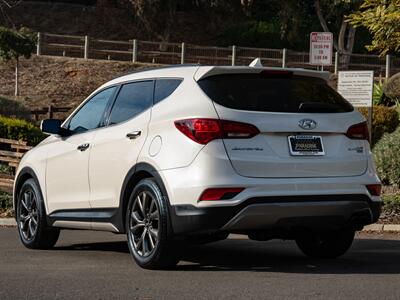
7	222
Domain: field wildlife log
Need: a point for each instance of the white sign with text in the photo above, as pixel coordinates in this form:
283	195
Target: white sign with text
321	46
357	87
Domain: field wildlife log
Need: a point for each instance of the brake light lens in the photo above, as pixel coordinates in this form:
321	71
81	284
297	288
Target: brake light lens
220	194
374	189
204	131
358	131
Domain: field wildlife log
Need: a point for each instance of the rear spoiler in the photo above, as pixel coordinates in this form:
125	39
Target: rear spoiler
208	71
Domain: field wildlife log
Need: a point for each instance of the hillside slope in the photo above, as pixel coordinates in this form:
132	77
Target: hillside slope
59	81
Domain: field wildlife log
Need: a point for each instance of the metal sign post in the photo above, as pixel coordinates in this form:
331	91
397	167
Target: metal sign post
357	87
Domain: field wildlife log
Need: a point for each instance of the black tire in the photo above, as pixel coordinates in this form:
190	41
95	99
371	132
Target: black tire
31	218
149	233
326	245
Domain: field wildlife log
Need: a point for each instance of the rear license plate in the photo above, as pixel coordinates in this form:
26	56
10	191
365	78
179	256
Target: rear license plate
305	145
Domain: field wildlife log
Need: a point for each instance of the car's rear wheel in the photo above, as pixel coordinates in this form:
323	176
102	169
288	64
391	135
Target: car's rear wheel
147	224
326	245
31	218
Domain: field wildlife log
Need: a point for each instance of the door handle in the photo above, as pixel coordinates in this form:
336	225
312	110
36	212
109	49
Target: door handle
133	135
83	147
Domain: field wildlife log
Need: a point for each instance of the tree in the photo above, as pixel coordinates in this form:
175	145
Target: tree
14	44
157	16
337	10
382	19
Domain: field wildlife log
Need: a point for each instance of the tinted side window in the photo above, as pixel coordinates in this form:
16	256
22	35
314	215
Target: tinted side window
132	99
164	88
91	114
272	92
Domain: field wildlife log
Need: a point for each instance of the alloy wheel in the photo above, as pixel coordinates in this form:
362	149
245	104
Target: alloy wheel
144	224
28	214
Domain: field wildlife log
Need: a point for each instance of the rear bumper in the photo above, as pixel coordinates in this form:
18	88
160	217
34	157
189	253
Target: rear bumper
290	213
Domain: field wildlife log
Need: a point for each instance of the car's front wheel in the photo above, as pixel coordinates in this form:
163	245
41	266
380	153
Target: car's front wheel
31	218
147	225
326	245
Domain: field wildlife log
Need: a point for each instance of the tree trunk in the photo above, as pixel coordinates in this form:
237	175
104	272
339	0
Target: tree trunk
346	43
16	77
246	6
322	21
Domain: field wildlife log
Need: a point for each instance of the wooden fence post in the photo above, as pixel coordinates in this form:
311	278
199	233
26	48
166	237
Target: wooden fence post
284	58
134	51
388	63
233	55
50	112
183	53
39	44
86	49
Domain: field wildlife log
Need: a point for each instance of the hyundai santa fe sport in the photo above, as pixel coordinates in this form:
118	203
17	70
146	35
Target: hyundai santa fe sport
189	154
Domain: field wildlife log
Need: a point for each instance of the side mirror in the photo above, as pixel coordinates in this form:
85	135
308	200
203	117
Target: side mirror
51	126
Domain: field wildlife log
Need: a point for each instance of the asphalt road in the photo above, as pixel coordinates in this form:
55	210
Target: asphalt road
97	265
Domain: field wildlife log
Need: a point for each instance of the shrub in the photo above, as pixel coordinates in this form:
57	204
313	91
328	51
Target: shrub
391	204
15	109
392	89
252	33
387	158
384	119
6	201
16	129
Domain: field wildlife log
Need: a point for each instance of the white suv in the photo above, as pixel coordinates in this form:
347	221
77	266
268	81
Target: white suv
186	154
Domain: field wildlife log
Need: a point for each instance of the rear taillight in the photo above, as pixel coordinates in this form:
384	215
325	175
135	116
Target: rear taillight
219	194
374	189
358	131
203	131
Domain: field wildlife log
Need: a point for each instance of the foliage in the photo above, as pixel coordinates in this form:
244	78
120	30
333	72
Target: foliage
378	95
6	201
382	19
15	109
16	43
253	34
16	129
5	169
387	158
384	119
392	89
157	16
391	204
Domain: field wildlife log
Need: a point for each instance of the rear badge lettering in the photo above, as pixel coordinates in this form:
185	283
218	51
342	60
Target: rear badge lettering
357	149
247	149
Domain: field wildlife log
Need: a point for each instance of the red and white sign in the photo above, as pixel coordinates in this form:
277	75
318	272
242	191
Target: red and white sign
321	45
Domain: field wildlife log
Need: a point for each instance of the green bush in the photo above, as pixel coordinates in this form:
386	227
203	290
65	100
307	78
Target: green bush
253	33
391	204
384	120
16	129
387	158
391	89
6	201
14	109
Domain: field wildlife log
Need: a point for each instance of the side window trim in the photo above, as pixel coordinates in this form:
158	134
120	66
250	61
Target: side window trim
102	122
108	116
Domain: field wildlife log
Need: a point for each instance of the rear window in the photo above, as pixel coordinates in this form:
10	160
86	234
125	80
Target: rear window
274	92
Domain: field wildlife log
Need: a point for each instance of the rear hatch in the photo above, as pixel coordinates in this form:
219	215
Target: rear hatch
302	122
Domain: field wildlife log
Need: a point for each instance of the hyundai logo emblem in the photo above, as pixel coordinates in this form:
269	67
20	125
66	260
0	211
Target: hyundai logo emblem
307	124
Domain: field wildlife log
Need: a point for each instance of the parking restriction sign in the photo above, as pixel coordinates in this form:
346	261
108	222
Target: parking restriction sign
321	44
